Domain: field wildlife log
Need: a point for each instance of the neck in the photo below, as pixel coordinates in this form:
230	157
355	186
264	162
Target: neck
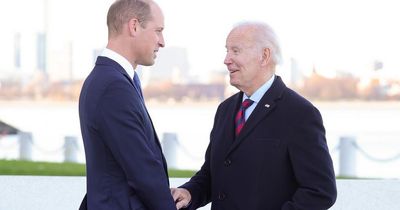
119	47
257	84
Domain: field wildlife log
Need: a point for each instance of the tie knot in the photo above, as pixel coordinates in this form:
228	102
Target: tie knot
246	103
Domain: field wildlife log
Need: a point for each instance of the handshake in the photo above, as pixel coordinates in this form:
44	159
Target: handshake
181	197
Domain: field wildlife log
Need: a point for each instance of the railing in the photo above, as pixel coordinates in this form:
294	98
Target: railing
347	149
25	145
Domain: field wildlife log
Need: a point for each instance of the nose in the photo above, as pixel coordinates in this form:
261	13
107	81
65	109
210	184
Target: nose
227	60
161	41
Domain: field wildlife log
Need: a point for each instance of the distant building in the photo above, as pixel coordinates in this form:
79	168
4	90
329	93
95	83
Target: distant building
43	38
172	65
296	76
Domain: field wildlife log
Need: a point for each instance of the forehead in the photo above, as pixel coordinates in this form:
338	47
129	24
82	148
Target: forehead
240	37
157	15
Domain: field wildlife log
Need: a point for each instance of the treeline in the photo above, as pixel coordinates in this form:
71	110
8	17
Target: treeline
347	87
315	87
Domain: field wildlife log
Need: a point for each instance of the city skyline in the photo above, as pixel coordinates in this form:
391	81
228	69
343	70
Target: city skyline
345	36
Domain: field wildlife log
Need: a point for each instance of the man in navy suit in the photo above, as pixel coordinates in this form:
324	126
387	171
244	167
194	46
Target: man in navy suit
267	148
125	166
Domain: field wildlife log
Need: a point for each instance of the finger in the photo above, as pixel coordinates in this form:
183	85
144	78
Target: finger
181	204
176	195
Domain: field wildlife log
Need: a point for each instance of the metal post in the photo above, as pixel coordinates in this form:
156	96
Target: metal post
170	145
70	149
25	145
347	156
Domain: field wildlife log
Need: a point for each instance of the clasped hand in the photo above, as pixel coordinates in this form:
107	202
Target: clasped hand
181	197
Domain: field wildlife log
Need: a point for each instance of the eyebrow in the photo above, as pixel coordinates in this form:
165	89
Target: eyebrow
232	47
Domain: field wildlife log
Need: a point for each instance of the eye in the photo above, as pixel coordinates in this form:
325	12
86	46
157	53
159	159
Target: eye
159	30
233	50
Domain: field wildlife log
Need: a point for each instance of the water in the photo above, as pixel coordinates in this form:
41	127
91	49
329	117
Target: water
374	125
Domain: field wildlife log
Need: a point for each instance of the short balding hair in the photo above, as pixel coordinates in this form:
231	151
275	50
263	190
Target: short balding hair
121	11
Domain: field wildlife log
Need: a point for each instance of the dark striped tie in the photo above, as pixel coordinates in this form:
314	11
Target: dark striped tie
240	118
137	85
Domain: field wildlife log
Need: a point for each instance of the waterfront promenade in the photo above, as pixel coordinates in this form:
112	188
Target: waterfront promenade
65	193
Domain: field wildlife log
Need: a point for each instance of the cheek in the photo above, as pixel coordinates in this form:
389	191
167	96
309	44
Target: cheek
155	37
243	64
149	38
237	61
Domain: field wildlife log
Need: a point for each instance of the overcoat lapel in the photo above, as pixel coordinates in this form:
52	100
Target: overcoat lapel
266	105
230	121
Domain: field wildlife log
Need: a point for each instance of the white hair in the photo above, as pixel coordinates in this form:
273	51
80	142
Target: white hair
266	37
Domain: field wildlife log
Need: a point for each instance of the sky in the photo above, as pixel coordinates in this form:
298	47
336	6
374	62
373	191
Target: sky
339	35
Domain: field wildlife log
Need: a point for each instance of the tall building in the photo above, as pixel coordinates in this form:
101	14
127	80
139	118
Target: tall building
172	65
43	37
296	76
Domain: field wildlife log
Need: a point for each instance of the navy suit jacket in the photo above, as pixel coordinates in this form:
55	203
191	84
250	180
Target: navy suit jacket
124	163
280	160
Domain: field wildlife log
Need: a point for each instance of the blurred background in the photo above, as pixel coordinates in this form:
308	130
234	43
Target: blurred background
342	55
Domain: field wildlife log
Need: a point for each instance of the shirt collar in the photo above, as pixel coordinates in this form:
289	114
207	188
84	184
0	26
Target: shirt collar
256	97
120	60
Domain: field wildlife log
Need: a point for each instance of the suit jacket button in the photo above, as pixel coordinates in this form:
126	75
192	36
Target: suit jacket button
227	162
221	196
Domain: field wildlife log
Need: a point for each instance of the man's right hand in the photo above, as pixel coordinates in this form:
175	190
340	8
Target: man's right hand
181	197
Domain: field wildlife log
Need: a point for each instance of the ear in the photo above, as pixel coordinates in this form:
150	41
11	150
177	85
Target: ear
266	56
133	26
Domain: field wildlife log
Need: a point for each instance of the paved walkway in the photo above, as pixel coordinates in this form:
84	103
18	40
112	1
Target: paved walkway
65	193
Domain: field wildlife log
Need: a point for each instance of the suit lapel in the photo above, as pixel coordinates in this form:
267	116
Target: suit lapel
107	61
264	107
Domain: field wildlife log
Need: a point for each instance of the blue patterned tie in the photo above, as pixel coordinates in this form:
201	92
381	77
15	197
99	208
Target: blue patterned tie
240	118
136	83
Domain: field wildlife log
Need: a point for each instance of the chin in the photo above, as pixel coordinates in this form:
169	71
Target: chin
233	83
149	63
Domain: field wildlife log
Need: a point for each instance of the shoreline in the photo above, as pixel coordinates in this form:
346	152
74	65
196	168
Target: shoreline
211	103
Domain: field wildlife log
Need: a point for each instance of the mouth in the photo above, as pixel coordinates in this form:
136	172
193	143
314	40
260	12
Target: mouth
232	71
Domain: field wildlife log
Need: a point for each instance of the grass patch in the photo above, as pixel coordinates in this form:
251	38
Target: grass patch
17	167
180	173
